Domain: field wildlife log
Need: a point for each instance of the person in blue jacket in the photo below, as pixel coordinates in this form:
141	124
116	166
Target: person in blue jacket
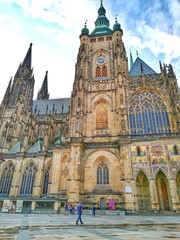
79	212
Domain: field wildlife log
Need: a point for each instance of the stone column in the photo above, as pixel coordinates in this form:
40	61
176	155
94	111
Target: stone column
73	186
174	195
153	194
16	181
37	189
56	169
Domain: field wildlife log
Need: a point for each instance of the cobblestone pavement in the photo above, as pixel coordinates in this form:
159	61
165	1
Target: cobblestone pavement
58	226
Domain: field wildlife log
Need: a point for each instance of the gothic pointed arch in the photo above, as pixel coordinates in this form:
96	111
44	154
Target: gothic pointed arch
163	191
101	111
6	178
143	192
46	179
148	114
28	177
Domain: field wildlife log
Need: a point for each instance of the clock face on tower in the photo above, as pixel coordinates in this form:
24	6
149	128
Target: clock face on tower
101	60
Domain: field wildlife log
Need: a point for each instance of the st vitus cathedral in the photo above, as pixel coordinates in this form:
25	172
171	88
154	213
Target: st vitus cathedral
114	143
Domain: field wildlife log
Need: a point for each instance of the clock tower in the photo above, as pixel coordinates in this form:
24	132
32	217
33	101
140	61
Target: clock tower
98	113
101	78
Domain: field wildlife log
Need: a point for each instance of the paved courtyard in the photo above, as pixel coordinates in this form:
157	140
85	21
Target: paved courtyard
58	226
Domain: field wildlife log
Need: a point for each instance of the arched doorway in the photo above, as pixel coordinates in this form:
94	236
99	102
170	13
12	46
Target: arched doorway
102	203
143	193
178	184
163	192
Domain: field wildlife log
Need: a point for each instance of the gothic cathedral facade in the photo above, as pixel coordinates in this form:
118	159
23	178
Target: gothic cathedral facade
114	143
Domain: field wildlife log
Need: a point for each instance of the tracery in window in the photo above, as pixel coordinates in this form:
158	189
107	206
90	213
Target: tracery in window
148	114
101	71
46	180
102	173
28	179
101	114
6	179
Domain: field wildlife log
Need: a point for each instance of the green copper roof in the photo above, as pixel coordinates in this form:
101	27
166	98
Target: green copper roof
117	26
101	24
37	147
131	61
16	148
85	30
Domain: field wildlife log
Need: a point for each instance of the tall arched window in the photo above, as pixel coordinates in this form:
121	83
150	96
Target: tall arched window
101	114
98	72
28	179
104	71
6	179
46	180
102	173
148	114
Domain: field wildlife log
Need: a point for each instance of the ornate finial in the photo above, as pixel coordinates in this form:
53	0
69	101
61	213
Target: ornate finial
116	18
85	25
101	1
137	53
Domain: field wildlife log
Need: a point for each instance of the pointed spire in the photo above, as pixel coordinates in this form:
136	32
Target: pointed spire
27	59
131	60
8	91
137	53
101	23
102	10
43	93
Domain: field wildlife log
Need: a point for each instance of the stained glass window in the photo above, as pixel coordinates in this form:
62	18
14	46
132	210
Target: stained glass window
102	173
28	179
148	114
6	179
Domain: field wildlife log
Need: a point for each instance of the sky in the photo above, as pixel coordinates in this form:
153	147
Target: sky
150	27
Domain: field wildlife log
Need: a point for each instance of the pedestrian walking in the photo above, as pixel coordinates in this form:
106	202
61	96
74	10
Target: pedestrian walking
66	209
79	211
94	211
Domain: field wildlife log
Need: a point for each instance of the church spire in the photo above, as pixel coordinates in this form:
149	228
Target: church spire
27	59
131	60
8	92
43	92
101	23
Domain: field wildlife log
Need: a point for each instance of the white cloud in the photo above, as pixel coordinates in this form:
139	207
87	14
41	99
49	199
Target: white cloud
54	26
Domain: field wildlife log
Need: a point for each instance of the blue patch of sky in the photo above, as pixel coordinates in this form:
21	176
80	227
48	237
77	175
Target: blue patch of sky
154	13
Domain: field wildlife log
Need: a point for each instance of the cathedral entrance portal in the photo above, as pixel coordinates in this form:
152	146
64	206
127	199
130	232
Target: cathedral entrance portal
102	203
163	191
178	184
143	193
